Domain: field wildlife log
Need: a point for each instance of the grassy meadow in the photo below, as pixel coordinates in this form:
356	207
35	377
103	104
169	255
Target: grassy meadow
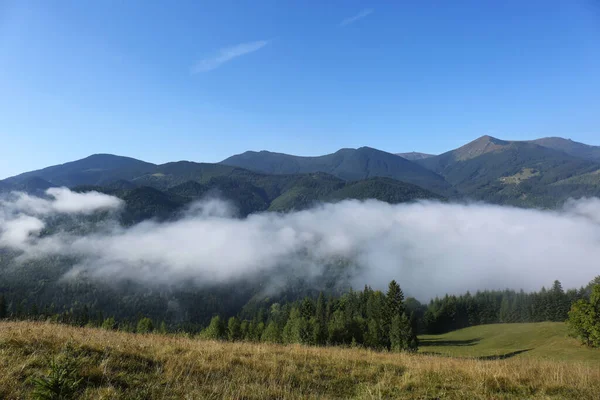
119	365
541	341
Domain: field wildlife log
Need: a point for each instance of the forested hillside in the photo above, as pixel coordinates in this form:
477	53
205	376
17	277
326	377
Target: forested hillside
570	147
516	173
347	164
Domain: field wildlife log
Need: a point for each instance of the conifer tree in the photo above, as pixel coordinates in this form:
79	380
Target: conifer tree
271	333
319	323
215	330
234	331
144	325
396	337
109	324
394	306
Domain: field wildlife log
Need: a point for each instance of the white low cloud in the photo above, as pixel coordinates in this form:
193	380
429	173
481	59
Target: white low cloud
362	14
60	201
227	54
17	232
430	248
22	215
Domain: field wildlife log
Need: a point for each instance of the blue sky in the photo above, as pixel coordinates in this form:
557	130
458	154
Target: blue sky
165	81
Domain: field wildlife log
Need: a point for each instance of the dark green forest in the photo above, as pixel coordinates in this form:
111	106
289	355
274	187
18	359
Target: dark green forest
369	318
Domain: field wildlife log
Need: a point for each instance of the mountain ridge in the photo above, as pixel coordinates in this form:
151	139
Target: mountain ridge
533	173
518	173
348	164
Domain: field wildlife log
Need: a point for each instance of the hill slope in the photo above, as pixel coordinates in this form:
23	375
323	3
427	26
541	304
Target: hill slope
251	192
347	164
512	172
570	147
159	191
119	365
93	170
542	340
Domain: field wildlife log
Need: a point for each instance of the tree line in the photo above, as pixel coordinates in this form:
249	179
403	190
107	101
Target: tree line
368	318
490	307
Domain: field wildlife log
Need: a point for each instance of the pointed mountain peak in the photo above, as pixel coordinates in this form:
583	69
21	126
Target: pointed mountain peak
480	146
489	139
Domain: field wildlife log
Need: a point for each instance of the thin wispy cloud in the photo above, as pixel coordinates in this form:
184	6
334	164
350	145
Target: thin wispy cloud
364	13
227	54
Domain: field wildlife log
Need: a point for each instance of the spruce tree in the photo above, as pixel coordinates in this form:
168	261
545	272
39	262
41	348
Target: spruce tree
394	306
215	330
291	330
109	324
319	324
396	334
373	334
144	325
272	333
234	331
244	330
394	301
162	329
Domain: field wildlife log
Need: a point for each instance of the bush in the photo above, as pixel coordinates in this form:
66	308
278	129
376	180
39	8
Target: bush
584	319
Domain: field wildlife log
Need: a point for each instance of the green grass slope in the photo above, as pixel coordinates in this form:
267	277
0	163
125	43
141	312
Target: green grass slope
543	340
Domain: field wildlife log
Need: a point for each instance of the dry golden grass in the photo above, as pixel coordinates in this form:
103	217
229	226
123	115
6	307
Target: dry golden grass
130	366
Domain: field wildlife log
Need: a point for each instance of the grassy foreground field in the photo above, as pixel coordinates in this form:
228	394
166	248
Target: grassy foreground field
542	340
116	365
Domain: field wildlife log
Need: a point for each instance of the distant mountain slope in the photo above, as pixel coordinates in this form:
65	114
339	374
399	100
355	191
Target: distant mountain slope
539	173
93	170
347	164
35	185
298	192
175	173
512	172
570	147
251	192
413	155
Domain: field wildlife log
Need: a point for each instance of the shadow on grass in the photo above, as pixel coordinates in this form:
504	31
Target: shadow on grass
457	343
503	356
482	358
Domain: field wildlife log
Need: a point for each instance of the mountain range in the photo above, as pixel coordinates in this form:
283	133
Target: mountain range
538	173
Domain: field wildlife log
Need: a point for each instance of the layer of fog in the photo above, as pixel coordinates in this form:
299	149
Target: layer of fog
431	248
